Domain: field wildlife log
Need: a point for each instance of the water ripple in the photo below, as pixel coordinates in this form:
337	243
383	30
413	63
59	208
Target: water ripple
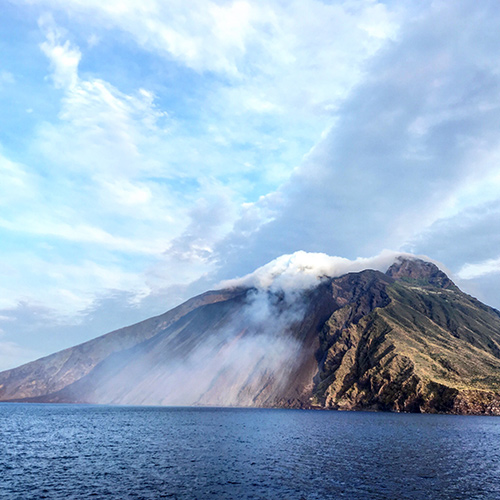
83	452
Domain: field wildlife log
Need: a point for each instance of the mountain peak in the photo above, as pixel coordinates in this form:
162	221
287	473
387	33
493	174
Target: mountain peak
421	271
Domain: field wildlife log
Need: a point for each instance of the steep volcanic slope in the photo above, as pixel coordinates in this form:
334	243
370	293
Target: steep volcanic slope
406	340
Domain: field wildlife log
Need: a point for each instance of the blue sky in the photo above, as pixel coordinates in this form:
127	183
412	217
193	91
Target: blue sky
149	150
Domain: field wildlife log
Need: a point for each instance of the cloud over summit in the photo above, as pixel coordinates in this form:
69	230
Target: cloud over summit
303	270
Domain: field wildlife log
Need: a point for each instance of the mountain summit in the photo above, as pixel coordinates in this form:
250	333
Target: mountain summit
420	270
404	340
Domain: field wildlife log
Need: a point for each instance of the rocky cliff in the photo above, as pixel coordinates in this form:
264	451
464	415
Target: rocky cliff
412	341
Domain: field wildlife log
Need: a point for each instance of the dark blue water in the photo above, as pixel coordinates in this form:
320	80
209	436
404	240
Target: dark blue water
79	452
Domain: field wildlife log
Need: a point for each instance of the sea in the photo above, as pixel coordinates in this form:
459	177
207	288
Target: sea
117	452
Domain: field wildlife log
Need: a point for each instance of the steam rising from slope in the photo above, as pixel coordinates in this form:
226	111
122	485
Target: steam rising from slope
235	354
303	270
242	359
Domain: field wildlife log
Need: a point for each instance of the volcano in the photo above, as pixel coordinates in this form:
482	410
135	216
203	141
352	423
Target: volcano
407	339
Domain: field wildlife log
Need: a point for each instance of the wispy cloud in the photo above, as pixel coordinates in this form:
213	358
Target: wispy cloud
487	267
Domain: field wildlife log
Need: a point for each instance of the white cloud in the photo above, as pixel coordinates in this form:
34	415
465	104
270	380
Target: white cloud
477	270
101	130
64	59
15	182
470	236
68	288
303	270
102	213
6	77
82	233
202	35
305	55
126	193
